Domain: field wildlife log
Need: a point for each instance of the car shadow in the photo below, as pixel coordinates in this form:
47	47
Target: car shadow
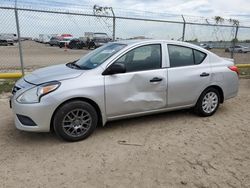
34	138
140	121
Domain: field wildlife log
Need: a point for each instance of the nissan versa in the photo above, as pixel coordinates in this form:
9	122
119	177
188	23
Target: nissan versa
120	80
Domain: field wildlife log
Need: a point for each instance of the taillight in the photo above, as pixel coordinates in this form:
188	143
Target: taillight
234	68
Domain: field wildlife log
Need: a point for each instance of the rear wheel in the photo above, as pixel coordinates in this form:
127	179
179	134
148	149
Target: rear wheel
208	102
75	120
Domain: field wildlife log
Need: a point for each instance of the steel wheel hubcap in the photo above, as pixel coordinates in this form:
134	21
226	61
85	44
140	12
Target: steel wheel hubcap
210	102
76	122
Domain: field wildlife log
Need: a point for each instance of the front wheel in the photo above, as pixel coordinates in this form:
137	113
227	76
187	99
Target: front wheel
208	102
75	120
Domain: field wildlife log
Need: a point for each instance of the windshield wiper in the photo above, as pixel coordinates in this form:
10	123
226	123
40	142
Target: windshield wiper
73	65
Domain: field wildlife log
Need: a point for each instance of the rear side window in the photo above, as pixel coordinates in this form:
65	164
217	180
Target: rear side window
184	56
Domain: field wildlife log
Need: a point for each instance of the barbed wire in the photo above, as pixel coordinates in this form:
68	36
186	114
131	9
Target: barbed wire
87	8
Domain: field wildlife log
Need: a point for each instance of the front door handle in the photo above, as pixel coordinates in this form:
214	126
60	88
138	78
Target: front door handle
156	79
204	74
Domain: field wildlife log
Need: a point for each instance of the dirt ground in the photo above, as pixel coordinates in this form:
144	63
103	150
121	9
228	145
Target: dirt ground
176	149
37	55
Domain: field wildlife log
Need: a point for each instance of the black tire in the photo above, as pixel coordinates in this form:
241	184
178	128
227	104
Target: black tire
59	121
199	110
240	51
71	46
79	46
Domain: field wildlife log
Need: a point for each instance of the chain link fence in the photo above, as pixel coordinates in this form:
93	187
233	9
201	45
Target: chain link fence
45	33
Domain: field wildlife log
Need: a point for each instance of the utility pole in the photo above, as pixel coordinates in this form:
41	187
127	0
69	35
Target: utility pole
19	38
113	22
184	28
98	9
234	40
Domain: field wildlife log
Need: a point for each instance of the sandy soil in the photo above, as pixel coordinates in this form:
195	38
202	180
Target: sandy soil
37	55
176	149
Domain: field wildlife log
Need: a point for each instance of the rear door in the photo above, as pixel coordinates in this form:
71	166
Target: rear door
143	87
189	74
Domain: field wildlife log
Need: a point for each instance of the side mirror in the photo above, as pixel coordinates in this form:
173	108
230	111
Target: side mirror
115	68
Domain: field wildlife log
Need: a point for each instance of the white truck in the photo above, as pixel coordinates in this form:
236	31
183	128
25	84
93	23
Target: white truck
45	38
10	38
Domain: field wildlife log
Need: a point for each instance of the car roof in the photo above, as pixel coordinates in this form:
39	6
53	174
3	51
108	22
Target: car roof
145	41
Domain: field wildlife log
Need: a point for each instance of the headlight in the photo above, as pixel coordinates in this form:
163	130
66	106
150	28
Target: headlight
34	94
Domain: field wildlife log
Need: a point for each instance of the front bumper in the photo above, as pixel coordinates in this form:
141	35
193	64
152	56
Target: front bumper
40	113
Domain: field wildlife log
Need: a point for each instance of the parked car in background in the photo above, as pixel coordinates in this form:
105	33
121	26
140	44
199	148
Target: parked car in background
6	41
95	40
64	42
206	46
54	41
11	38
66	36
44	38
76	44
3	42
238	49
10	42
120	80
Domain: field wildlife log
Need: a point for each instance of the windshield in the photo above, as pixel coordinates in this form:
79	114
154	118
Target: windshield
98	56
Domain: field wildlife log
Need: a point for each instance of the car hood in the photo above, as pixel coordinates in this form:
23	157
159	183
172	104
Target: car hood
52	73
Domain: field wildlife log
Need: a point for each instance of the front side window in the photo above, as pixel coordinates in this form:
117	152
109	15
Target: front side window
146	57
184	56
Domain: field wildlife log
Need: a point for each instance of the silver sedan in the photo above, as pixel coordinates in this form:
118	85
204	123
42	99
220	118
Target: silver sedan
120	80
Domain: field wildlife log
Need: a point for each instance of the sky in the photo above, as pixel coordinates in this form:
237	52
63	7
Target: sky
191	7
208	8
227	8
194	11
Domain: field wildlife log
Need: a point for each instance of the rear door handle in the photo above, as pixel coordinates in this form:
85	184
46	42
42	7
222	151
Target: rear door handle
156	79
204	74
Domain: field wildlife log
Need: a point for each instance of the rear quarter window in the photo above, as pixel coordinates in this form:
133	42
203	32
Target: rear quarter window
199	56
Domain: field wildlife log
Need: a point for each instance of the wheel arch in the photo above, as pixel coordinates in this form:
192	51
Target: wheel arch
93	103
219	89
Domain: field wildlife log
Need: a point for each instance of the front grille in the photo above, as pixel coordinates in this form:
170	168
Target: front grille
15	89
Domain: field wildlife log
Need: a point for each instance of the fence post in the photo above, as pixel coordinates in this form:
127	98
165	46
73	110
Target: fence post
19	41
234	40
113	36
184	28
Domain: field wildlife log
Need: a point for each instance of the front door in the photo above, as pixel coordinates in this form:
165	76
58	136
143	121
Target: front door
143	87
